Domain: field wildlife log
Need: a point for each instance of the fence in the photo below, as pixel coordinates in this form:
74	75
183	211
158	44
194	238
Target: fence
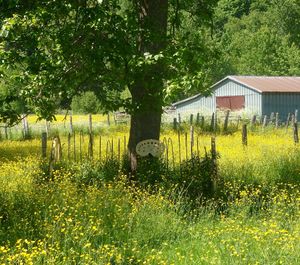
80	146
28	128
219	121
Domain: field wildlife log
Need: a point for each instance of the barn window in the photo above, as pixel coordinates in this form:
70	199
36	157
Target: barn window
231	102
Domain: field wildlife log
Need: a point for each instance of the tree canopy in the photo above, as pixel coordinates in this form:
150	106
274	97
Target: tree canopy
51	50
259	37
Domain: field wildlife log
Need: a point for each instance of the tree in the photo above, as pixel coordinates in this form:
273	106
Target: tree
60	48
86	103
261	40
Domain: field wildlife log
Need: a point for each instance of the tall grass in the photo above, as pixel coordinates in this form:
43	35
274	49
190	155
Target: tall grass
62	223
91	213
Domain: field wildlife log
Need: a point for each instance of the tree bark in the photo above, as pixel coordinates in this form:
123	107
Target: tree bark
146	90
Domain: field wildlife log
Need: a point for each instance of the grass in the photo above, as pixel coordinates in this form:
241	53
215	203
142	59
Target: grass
72	220
62	126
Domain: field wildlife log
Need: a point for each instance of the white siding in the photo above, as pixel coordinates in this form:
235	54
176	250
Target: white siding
207	105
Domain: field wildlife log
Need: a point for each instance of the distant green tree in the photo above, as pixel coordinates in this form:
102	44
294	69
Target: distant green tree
86	103
263	41
228	9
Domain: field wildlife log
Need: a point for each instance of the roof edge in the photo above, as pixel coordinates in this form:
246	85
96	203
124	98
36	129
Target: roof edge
186	99
233	78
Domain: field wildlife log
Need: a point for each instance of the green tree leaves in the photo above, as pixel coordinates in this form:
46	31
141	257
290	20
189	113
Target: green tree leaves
262	39
86	103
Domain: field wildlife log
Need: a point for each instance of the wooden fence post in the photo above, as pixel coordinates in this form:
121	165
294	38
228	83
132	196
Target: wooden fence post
5	132
202	122
165	142
293	120
119	150
90	148
198	153
238	122
186	145
226	120
115	118
212	122
296	137
44	145
288	121
112	148
276	120
192	139
179	118
179	148
80	145
56	151
100	148
214	164
191	119
244	135
170	142
69	146
253	121
90	124
213	148
272	117
71	124
265	121
198	119
74	145
55	155
175	124
216	121
47	127
125	145
25	126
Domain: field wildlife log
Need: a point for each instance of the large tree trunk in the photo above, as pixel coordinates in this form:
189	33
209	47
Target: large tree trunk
147	89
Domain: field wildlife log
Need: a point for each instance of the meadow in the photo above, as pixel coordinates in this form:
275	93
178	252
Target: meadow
92	213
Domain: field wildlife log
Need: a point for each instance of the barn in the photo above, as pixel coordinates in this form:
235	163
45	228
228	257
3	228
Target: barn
259	95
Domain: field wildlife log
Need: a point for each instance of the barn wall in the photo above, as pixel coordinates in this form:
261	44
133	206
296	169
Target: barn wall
253	103
207	105
283	103
203	105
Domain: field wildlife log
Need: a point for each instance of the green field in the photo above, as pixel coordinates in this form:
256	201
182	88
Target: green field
86	215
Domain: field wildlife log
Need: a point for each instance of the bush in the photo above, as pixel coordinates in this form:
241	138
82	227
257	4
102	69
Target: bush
97	173
86	103
195	177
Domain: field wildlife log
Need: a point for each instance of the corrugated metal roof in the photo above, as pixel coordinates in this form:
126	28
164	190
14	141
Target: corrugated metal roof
265	84
261	84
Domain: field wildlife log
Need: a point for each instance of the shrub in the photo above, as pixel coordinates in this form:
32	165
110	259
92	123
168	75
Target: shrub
97	173
195	177
86	103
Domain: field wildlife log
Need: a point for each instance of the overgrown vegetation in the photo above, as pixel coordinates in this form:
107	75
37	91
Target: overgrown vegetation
239	206
86	103
92	213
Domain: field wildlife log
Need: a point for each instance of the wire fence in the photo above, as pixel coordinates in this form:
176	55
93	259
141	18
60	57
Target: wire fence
99	124
80	146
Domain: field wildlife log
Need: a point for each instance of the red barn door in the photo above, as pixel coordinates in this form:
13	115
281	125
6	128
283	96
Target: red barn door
231	102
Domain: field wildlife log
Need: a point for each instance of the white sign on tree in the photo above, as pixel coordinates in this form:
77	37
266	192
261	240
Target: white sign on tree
150	146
